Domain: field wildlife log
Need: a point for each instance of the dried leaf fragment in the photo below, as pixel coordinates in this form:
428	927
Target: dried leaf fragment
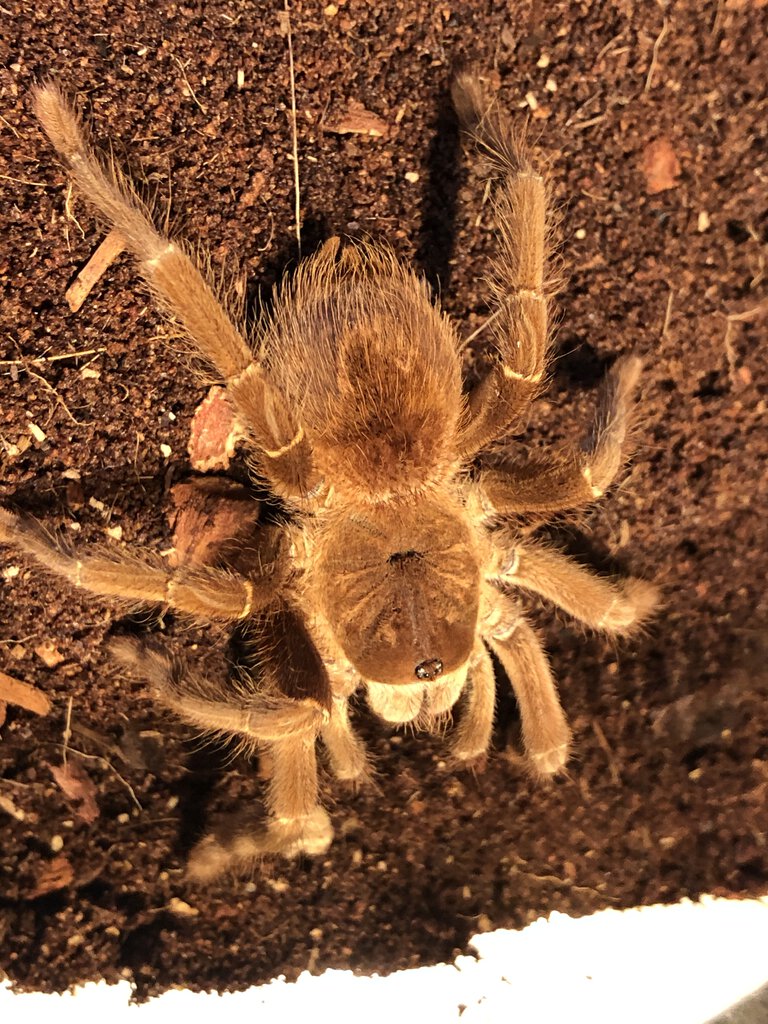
660	166
23	695
78	788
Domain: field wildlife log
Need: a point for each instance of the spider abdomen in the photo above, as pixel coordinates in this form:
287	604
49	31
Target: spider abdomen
372	367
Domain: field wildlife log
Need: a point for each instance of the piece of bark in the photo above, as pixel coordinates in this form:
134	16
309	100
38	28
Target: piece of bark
214	433
55	874
209	516
660	166
23	695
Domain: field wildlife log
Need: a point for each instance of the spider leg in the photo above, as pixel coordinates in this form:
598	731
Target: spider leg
214	705
611	606
498	405
555	482
296	825
346	751
205	592
284	730
183	290
546	735
473	734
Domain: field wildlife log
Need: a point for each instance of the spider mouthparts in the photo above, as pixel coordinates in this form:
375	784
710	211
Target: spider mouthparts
429	669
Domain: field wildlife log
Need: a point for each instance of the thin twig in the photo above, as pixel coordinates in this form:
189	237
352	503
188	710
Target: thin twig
668	314
656	47
52	359
612	766
579	126
49	387
608	46
24	181
483	201
103	760
189	86
9	125
731	319
69	213
482	327
67	734
294	129
112	245
747	315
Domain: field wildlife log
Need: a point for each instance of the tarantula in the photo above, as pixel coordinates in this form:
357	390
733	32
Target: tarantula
401	565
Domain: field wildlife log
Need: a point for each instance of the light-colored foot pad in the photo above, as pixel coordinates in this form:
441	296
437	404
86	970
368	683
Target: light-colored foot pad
290	837
550	762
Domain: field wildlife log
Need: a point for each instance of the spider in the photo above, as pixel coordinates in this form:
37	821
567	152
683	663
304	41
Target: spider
402	561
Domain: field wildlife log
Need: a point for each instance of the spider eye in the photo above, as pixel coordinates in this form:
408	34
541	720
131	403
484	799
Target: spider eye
400	557
429	669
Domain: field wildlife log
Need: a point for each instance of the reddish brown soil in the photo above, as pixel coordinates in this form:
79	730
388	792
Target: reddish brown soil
666	793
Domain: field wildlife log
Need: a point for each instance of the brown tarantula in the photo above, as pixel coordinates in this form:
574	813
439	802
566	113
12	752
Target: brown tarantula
400	567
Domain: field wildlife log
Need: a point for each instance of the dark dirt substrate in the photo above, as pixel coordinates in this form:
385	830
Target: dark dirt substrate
666	793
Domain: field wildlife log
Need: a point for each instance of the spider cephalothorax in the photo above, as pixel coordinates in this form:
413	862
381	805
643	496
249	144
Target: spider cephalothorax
403	564
399	585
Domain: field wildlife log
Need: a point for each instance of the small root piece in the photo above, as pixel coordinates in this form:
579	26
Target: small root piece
111	247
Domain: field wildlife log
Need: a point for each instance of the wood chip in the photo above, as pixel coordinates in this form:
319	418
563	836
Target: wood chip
10	808
105	255
660	166
49	654
182	909
23	695
358	121
55	874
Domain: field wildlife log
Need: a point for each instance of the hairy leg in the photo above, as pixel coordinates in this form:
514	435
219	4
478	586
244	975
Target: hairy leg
612	606
186	295
499	404
473	734
296	825
205	592
546	735
346	751
552	482
555	482
284	730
